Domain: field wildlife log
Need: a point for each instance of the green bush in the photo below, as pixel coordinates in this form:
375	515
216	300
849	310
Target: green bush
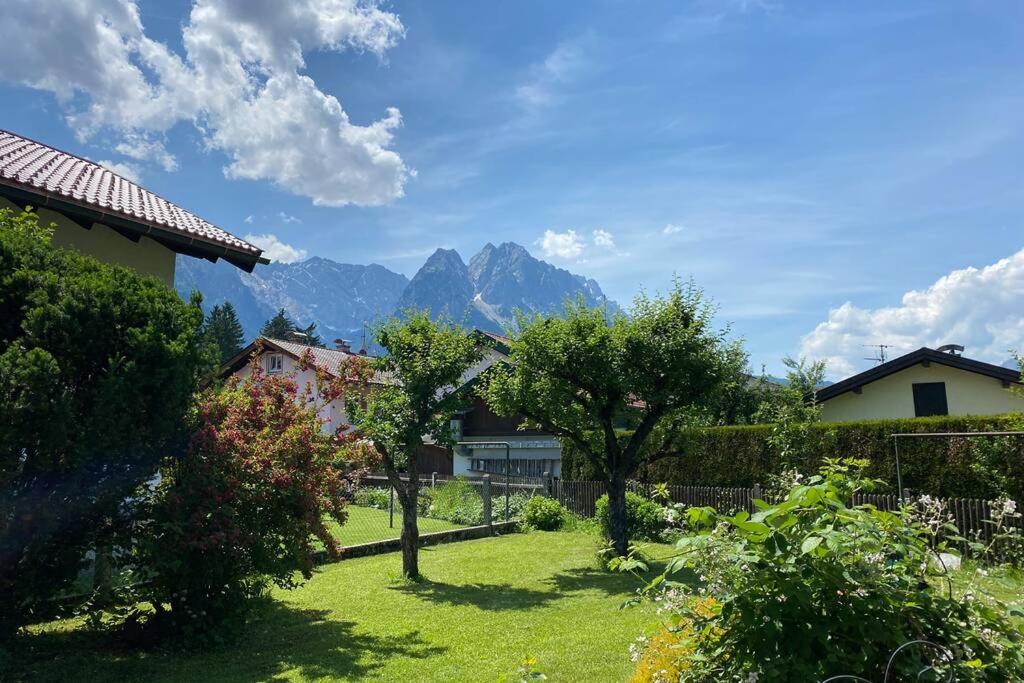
98	365
456	501
545	514
373	497
645	519
813	588
981	467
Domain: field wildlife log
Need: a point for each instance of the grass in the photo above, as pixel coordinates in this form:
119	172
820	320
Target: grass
483	607
370	524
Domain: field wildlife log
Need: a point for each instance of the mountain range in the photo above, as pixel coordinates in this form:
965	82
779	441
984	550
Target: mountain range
344	299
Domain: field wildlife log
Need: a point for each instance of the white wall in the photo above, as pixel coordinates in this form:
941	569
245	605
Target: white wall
145	256
524	447
967	393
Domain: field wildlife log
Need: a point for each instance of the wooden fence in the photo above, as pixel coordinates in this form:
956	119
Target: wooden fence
969	514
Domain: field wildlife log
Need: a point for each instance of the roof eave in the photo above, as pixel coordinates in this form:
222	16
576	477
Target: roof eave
175	241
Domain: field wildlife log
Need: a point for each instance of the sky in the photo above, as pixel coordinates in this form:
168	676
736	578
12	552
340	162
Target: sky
834	175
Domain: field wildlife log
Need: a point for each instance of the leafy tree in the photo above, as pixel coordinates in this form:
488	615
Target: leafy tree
282	327
792	409
575	376
278	327
427	361
98	365
312	336
223	330
243	508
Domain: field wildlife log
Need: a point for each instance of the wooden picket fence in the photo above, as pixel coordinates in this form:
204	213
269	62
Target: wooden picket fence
970	515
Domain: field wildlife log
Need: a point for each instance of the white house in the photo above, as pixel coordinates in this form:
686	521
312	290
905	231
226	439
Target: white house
99	213
922	383
481	434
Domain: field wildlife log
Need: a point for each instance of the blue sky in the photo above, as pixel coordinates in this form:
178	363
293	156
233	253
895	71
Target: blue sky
829	172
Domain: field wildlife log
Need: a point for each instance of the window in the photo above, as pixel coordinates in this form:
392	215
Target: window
275	363
930	399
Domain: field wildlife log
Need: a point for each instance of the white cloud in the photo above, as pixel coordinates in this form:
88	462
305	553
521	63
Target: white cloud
287	218
563	245
240	82
128	171
603	238
249	219
561	66
671	229
979	308
276	250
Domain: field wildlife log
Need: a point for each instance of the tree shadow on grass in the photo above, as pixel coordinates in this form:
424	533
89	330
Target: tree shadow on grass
504	596
486	596
277	640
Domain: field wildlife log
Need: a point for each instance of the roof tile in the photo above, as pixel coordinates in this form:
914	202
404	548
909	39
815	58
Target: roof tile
35	167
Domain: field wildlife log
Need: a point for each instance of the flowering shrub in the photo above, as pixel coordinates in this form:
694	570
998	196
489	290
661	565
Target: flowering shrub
645	518
545	514
814	587
243	507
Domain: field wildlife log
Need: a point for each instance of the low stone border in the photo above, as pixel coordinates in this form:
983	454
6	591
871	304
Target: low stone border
394	544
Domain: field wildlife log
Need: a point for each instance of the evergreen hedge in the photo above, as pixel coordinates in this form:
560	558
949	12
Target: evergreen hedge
977	467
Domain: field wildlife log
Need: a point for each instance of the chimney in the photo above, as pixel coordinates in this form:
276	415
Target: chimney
343	345
298	337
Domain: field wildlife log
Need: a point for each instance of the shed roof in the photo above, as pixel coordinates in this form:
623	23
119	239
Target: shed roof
32	173
922	355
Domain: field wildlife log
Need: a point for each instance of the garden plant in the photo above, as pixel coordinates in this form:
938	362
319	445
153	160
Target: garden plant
815	587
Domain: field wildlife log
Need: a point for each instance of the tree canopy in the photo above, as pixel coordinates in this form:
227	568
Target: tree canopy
426	361
98	365
281	327
224	331
584	374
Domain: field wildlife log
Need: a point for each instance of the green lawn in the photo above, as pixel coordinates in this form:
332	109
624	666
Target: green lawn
370	524
484	606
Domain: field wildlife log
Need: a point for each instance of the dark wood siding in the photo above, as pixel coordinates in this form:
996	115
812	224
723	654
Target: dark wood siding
434	459
482	421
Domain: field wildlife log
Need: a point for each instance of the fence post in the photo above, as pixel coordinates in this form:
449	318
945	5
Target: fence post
486	491
433	479
906	496
391	507
755	494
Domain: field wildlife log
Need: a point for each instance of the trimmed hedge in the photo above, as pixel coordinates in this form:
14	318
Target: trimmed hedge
977	467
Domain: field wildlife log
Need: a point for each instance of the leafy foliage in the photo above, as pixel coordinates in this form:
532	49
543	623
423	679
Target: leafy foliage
426	362
281	326
544	514
244	506
645	519
224	331
582	375
984	467
814	587
98	365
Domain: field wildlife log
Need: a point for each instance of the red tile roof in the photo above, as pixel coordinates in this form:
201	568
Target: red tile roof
49	173
327	359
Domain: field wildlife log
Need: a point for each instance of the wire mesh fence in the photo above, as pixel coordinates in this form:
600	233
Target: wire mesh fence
445	503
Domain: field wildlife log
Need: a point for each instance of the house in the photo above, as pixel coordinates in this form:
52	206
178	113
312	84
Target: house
104	215
922	383
479	432
482	435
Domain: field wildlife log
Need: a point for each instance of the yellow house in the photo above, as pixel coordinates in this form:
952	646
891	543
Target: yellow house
99	213
922	383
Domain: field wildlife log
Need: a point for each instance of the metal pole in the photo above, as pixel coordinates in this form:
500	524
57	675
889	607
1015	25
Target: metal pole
899	474
391	507
508	465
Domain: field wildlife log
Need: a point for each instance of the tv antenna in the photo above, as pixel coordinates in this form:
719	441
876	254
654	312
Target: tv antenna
880	358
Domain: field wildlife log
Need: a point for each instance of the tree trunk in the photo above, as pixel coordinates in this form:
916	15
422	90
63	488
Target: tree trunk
410	537
617	510
410	528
